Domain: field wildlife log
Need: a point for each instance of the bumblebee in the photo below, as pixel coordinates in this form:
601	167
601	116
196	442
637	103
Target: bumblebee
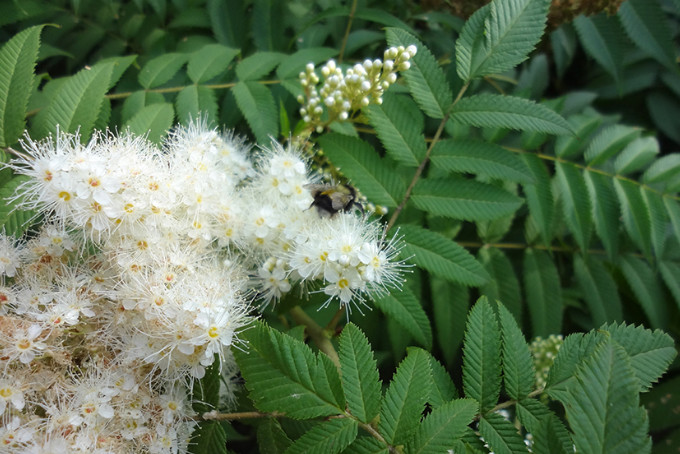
330	199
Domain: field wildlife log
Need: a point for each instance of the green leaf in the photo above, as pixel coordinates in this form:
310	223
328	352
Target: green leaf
425	79
501	435
673	209
360	379
292	65
482	356
647	25
636	218
229	20
482	158
601	38
271	438
359	162
608	142
637	155
647	288
603	406
13	221
160	70
503	285
464	199
330	436
583	125
663	169
575	202
194	102
77	103
284	375
599	290
539	197
658	219
405	398
443	389
154	120
17	63
268	28
670	272
650	352
543	292
549	434
405	309
258	65
209	437
206	396
442	427
209	61
574	350
511	30
490	110
441	256
258	106
450	307
367	445
399	128
518	367
605	208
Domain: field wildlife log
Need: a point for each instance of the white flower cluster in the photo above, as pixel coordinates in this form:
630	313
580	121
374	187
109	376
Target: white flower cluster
343	94
144	273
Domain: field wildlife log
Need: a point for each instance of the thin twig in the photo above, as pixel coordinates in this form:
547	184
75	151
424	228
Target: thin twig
350	19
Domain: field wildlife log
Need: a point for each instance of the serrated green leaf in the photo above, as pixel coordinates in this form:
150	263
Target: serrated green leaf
258	65
490	110
543	292
575	202
17	63
511	30
670	272
663	169
206	396
77	103
658	219
284	375
160	70
637	155
503	285
405	309
330	436
399	128
518	367
673	209
539	197
137	101
209	61
501	435
442	427
549	434
482	356
367	445
605	208
269	26
229	20
359	162
257	104
443	390
441	256
450	307
360	378
425	79
194	102
601	38
482	158
650	352
647	288
209	437
647	26
574	350
583	125
599	290
120	65
14	222
608	142
405	398
602	405
464	199
636	218
154	120
271	439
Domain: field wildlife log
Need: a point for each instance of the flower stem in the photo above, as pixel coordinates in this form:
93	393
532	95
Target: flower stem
316	333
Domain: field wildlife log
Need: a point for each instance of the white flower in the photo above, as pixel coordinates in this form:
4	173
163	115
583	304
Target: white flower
10	256
11	392
24	344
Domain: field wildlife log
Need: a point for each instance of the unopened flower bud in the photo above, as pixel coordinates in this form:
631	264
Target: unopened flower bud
412	50
365	85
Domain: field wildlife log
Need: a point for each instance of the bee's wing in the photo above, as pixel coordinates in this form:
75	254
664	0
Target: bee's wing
340	200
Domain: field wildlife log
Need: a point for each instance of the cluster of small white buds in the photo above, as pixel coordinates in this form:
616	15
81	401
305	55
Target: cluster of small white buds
544	352
343	94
